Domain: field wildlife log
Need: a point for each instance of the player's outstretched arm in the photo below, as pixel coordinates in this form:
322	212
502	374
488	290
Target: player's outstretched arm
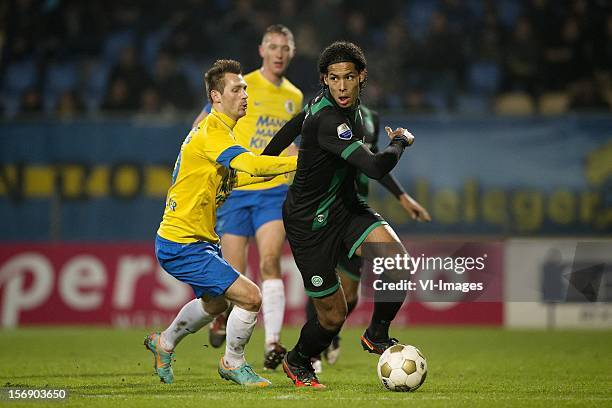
336	137
387	181
245	179
285	135
392	185
378	165
263	165
412	207
409	204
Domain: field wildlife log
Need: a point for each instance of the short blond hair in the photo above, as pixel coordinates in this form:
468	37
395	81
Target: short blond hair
279	29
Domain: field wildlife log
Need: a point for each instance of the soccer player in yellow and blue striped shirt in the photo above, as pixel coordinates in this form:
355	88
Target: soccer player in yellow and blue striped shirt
256	210
209	166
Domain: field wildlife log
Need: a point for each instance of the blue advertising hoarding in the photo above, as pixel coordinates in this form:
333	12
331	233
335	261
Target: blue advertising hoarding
106	180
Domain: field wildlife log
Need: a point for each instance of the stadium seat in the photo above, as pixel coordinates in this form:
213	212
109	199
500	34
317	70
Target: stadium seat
115	42
194	71
59	78
553	103
483	77
10	103
514	104
19	76
473	104
437	99
418	14
151	46
476	8
393	101
95	84
508	10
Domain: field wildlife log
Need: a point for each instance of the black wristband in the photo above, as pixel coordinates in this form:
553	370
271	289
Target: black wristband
402	140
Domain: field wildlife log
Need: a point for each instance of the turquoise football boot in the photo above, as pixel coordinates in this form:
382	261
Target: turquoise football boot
161	358
243	375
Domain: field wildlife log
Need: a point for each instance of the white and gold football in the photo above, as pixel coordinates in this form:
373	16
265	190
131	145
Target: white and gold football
402	368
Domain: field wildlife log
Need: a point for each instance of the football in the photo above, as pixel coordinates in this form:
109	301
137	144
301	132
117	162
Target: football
402	368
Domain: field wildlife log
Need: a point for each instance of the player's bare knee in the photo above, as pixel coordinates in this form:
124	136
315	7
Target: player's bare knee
215	306
252	300
333	320
351	291
352	298
270	267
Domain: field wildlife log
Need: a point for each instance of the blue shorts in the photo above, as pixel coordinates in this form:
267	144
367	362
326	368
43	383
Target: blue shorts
245	211
199	264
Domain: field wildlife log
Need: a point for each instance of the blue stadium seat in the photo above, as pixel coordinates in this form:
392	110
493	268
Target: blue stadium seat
60	77
194	71
476	8
473	104
483	77
151	45
115	42
18	77
96	84
11	105
417	15
508	11
438	99
393	101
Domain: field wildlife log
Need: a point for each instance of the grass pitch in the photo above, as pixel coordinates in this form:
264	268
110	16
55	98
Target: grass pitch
467	367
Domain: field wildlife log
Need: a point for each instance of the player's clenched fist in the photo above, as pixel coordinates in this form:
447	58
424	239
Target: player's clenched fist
405	135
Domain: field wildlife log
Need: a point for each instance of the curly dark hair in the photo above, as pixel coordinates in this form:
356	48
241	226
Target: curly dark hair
214	77
341	51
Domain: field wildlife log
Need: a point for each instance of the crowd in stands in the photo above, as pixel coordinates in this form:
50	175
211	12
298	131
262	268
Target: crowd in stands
67	58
